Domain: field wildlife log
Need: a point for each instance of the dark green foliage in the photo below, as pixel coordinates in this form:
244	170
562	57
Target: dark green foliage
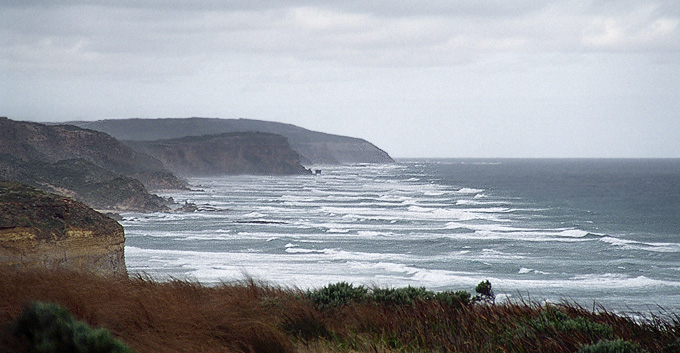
673	347
457	298
401	296
615	346
485	292
557	321
343	293
49	328
337	294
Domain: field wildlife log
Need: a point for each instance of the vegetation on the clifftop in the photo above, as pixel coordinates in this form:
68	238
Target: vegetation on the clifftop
50	215
182	316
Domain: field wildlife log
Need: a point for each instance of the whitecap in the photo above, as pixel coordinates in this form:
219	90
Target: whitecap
573	233
469	191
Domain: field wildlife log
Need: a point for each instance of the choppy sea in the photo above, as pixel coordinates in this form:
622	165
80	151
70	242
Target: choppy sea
582	230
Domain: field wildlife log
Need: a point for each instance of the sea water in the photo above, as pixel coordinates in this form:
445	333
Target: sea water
586	231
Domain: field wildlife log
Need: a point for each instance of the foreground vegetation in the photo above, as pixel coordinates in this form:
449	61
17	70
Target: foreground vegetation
143	315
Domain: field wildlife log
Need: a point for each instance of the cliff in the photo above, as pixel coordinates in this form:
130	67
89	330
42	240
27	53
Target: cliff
313	147
52	143
230	153
83	181
39	230
89	166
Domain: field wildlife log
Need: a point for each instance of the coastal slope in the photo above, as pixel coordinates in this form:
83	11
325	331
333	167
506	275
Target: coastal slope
225	154
30	141
89	166
44	230
313	147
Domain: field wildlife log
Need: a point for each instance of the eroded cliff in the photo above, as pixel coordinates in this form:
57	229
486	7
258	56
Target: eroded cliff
89	166
29	141
230	153
39	229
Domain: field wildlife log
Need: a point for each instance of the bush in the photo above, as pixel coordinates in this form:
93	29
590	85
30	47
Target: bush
337	294
402	296
458	298
485	292
616	346
555	320
49	328
343	293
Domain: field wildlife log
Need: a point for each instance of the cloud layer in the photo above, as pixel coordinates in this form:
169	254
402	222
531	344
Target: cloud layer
499	76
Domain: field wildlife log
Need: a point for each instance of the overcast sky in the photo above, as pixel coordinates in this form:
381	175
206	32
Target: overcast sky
437	78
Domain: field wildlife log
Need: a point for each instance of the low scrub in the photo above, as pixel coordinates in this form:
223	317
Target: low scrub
615	346
247	316
49	328
343	293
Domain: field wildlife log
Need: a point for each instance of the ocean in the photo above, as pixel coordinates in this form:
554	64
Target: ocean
588	231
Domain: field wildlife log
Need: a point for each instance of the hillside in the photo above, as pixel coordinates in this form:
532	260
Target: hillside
313	147
229	153
43	230
33	142
84	182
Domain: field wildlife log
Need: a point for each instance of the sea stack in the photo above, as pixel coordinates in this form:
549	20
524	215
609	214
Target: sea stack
44	230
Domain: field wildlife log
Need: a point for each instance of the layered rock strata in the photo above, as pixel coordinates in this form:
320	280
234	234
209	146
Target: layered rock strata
43	230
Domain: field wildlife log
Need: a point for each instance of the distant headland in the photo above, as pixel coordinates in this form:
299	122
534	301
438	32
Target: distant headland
313	147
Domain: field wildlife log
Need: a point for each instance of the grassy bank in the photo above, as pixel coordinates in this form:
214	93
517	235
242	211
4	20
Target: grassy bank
181	316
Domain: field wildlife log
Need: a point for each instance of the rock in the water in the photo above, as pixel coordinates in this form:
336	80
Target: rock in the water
43	230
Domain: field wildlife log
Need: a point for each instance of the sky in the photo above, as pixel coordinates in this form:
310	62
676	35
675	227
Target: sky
438	78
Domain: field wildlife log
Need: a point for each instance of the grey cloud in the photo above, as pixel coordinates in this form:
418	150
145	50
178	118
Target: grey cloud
475	68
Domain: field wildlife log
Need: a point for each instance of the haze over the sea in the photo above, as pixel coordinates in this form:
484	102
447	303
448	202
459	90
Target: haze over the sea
418	79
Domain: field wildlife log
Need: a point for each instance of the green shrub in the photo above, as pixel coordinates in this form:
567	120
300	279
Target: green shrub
615	346
485	292
337	294
555	320
49	328
401	296
458	298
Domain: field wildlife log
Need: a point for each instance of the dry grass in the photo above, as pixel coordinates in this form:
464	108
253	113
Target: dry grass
181	316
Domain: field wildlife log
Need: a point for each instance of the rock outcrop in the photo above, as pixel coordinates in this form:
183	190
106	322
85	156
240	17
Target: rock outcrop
313	147
225	154
43	230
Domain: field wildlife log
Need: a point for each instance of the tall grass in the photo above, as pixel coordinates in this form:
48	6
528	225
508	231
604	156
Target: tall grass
184	316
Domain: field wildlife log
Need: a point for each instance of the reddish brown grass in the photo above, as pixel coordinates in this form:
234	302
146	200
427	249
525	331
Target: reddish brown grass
182	316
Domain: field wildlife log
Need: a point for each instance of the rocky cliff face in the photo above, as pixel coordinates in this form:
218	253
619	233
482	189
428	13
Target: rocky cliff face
313	147
39	229
52	143
83	181
231	153
87	165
